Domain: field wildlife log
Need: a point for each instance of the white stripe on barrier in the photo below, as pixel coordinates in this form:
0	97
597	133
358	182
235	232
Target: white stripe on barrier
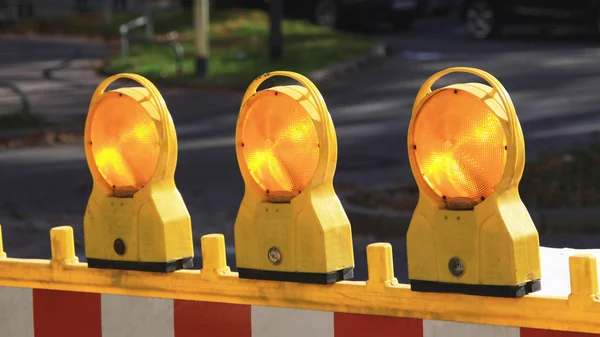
454	329
279	322
556	278
16	312
131	316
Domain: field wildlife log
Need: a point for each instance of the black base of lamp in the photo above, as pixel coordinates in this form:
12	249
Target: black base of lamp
163	267
315	278
477	289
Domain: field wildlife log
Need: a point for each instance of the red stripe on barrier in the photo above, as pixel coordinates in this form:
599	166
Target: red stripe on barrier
358	325
196	319
527	332
66	314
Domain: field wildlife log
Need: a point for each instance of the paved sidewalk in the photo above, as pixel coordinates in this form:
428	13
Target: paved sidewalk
65	97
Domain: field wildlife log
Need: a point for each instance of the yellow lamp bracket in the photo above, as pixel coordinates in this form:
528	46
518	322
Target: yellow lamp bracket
291	225
470	232
136	218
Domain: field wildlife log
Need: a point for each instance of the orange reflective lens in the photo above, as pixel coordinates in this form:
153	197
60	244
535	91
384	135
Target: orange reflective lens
125	142
459	145
279	143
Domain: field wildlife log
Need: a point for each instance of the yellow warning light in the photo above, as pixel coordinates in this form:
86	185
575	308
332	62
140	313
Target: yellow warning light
136	218
291	225
461	150
125	144
281	145
470	232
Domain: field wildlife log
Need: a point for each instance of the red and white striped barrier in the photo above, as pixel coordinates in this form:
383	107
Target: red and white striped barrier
49	313
73	311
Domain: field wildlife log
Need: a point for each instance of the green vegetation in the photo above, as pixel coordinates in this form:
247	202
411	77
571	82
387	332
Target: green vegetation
238	44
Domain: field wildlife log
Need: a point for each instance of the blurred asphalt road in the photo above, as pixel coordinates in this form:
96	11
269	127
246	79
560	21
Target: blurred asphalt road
552	81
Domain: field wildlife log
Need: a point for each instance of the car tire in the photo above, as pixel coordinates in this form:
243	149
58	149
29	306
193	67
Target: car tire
326	13
481	20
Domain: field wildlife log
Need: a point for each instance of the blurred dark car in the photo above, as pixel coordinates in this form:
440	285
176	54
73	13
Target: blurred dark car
437	8
354	13
340	13
485	19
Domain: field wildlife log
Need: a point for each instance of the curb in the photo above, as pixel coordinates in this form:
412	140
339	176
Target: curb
41	136
384	224
19	133
379	52
54	37
200	84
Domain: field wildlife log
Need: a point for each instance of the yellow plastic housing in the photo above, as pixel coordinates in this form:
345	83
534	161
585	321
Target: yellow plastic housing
485	225
291	225
136	218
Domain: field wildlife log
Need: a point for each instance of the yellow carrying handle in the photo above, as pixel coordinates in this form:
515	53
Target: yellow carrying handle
305	82
144	82
491	80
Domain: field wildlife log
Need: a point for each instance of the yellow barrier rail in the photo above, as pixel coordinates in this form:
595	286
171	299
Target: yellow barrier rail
380	295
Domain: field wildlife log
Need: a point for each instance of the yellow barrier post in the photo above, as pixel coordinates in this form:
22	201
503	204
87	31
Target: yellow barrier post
380	265
2	253
291	225
470	232
214	257
62	245
583	270
136	218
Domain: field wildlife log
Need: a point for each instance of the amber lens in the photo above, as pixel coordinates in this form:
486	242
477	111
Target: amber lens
279	143
125	142
459	145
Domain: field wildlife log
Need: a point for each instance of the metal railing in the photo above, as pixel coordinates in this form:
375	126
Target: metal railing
25	106
145	20
135	23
